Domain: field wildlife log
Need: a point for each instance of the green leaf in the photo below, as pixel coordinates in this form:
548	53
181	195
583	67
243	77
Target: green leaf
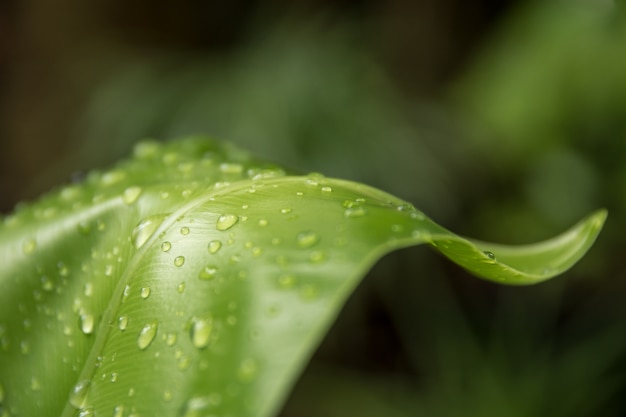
194	280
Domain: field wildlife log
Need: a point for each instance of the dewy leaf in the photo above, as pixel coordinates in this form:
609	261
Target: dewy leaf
193	280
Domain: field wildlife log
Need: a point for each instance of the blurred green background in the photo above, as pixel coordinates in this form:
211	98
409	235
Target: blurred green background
503	120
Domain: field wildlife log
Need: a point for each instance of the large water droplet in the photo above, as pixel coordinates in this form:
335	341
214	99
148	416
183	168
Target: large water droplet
196	407
179	261
78	395
200	331
146	228
214	246
354	212
226	221
131	194
307	239
147	334
87	323
491	258
208	272
122	322
166	246
145	292
125	293
184	230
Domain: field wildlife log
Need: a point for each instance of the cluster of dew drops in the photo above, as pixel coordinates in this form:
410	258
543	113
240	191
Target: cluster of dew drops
200	328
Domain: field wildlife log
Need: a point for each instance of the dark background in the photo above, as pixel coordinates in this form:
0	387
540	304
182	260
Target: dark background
502	120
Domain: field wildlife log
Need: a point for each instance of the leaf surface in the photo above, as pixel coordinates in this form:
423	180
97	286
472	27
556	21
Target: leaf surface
193	280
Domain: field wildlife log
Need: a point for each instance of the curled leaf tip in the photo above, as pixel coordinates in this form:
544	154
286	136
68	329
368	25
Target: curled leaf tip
523	264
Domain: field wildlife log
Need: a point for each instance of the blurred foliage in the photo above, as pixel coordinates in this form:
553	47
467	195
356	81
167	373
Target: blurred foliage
517	141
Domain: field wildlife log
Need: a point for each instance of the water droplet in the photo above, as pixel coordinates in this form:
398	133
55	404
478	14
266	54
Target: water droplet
354	212
145	292
87	323
327	189
263	222
307	239
146	228
230	168
118	411
122	322
183	363
29	246
490	256
184	230
35	384
208	272
195	407
226	221
309	292
214	246
247	370
147	334
131	194
78	395
112	177
285	210
179	261
170	339
47	284
317	256
256	251
181	287
167	395
125	293
166	246
62	269
113	377
88	289
200	331
286	281
86	412
397	228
